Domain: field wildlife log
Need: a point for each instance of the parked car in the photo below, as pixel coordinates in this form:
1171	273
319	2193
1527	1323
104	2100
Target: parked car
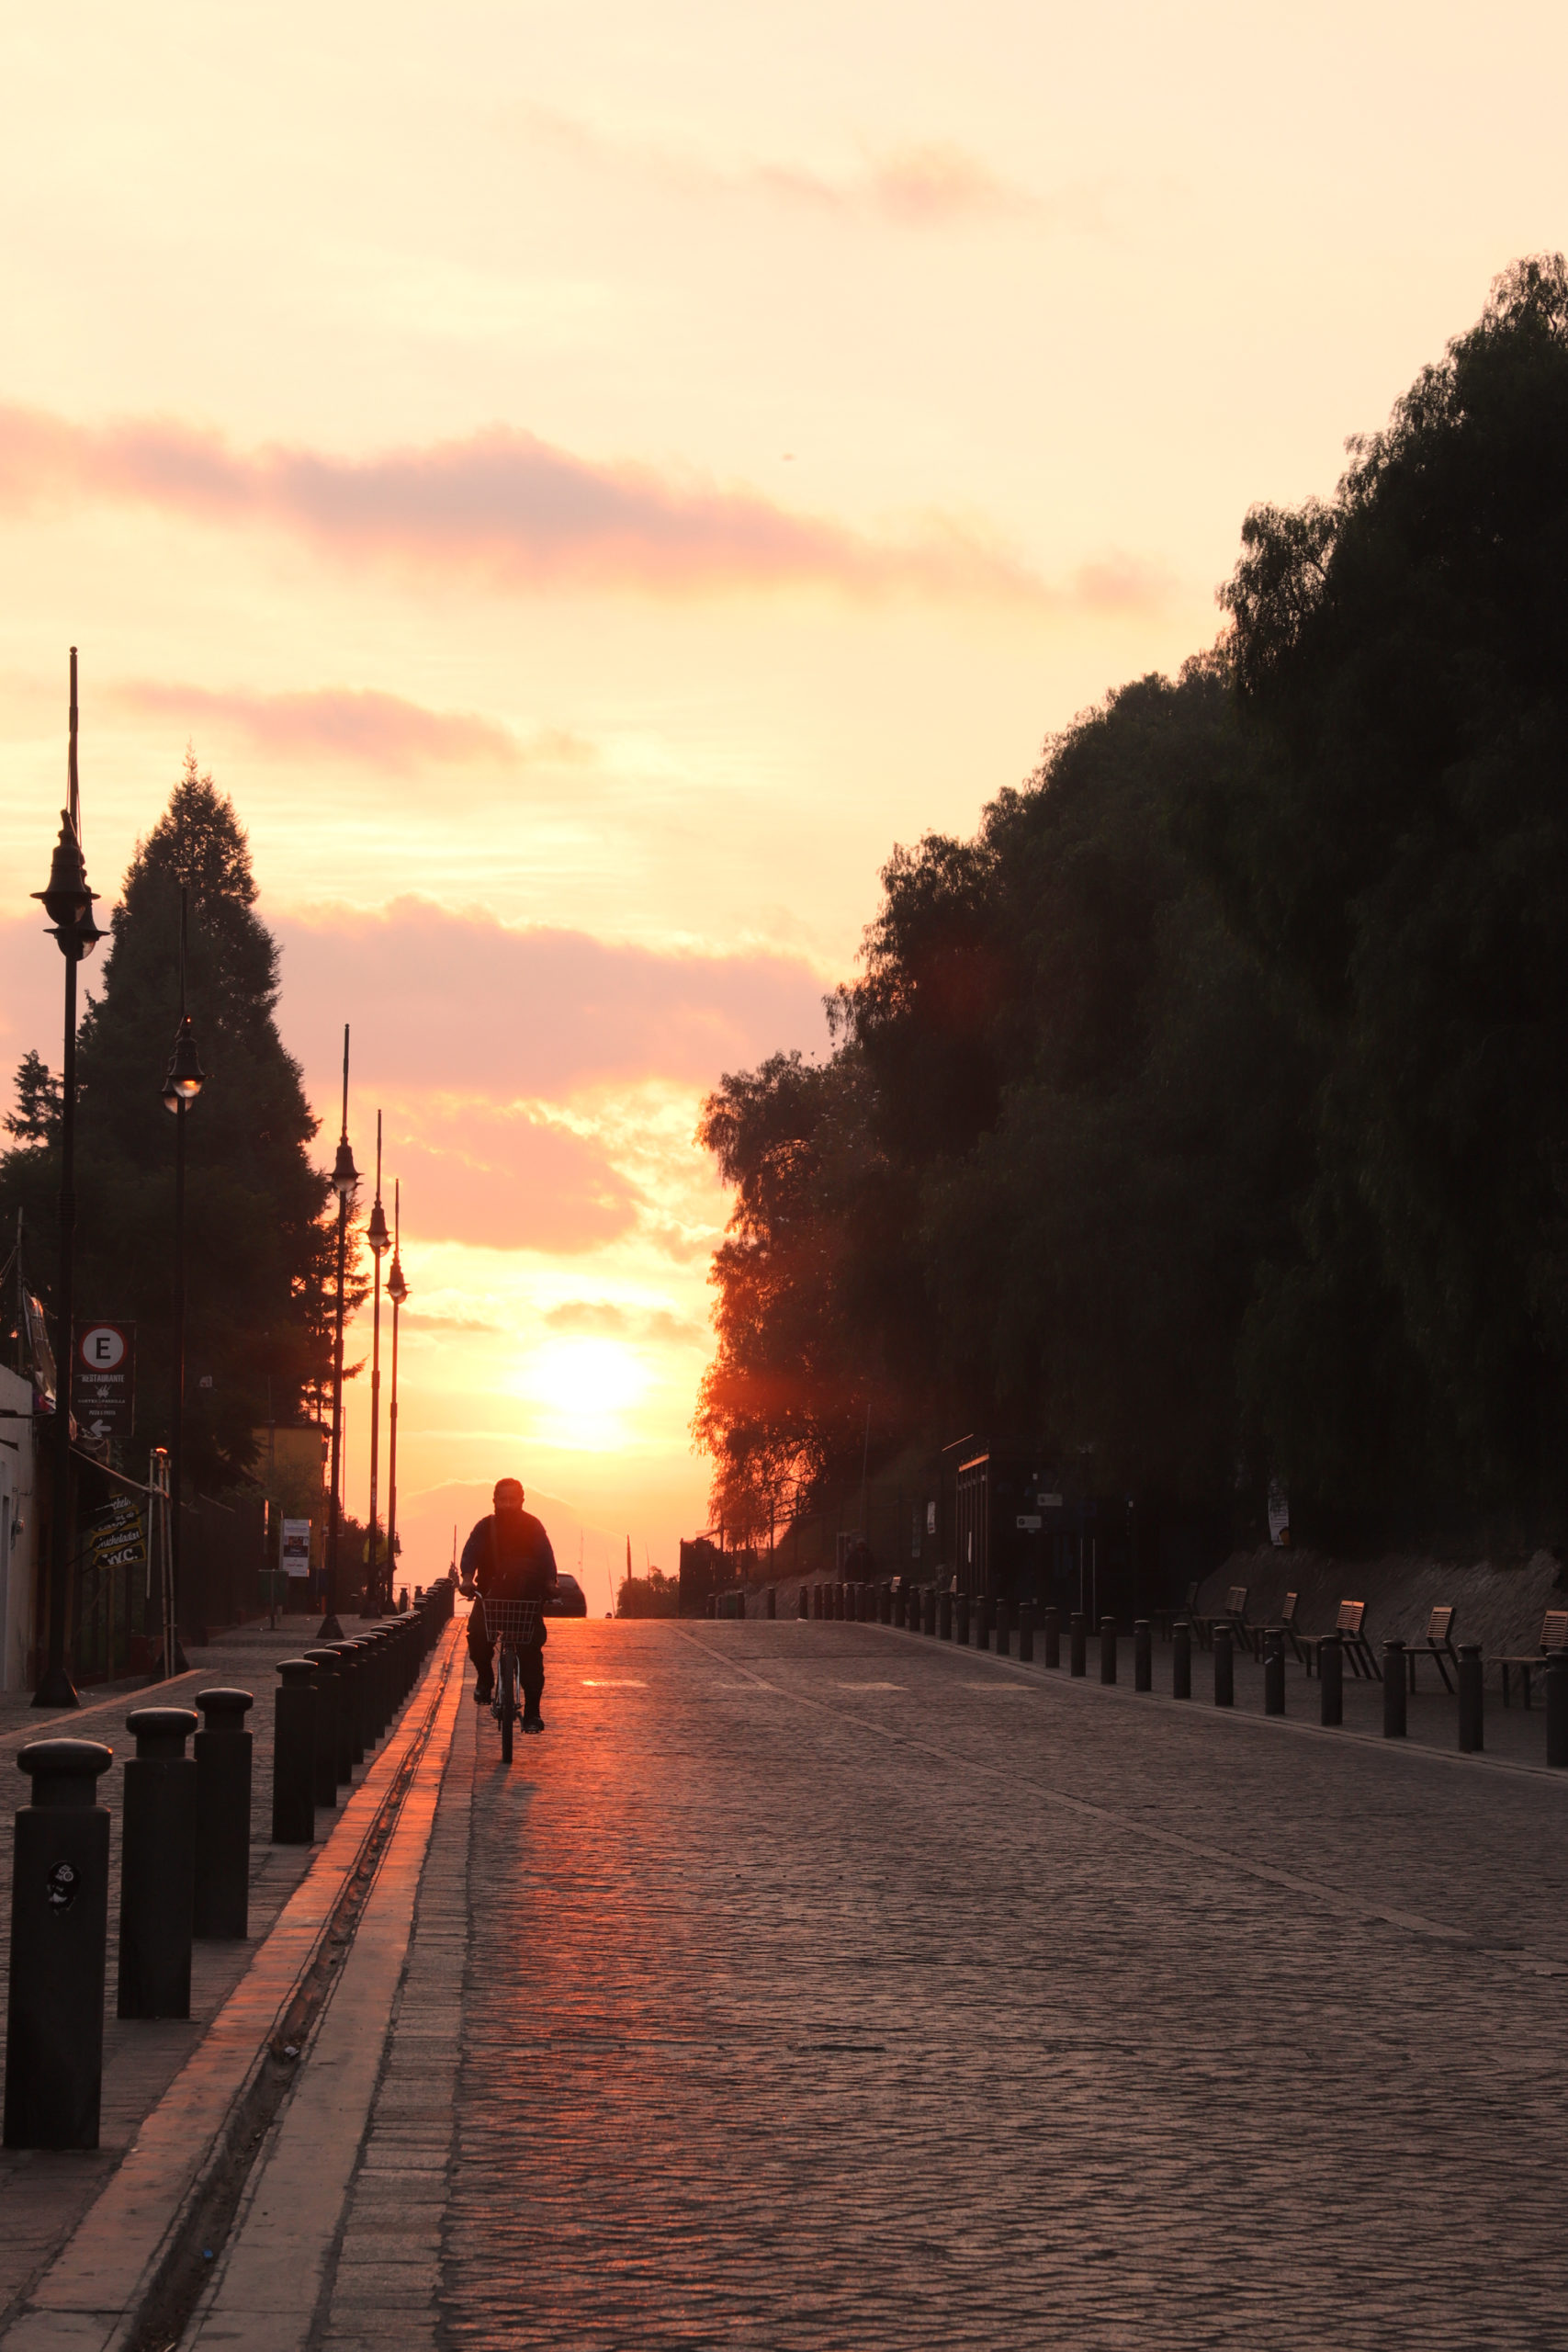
571	1600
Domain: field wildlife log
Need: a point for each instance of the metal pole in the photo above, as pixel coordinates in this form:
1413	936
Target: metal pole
57	1689
172	1664
331	1631
370	1606
392	1415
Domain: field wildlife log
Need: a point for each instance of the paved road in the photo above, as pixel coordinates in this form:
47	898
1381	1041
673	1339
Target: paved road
826	1987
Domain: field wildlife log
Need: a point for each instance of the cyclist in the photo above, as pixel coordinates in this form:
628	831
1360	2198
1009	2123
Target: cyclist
509	1556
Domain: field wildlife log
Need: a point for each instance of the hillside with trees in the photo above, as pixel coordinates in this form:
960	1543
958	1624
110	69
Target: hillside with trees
1207	1111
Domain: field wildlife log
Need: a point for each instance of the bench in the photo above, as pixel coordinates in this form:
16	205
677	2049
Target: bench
1349	1625
1439	1639
1249	1636
1285	1623
1553	1636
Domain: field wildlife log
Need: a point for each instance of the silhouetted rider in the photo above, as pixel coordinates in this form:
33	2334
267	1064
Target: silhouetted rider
509	1556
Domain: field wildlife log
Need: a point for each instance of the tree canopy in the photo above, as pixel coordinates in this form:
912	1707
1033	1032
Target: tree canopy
259	1259
1209	1108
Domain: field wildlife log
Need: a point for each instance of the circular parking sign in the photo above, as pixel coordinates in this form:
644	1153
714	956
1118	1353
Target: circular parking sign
101	1347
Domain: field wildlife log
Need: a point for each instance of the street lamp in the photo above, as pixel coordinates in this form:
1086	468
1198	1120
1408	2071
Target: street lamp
380	1241
397	1291
183	1081
346	1183
68	903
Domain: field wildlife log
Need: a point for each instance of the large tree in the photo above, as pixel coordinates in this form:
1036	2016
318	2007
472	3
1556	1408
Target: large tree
258	1253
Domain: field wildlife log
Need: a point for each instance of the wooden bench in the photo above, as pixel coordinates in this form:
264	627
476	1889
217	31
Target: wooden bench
1285	1623
1439	1639
1553	1636
1249	1636
1349	1625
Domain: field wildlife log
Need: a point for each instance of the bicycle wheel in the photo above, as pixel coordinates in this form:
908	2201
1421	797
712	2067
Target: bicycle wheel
506	1694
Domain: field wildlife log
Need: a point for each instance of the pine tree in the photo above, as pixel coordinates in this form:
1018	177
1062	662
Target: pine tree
259	1254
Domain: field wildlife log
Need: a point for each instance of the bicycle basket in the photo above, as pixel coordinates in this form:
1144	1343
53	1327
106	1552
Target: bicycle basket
515	1622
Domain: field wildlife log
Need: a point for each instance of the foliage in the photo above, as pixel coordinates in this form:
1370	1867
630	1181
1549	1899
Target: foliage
1211	1103
654	1595
260	1254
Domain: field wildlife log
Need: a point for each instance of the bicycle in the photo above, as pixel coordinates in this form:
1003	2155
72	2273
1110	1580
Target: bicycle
512	1625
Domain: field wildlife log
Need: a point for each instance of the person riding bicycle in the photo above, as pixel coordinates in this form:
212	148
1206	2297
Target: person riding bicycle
509	1556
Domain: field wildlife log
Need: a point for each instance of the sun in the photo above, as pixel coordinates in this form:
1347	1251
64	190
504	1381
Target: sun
584	1388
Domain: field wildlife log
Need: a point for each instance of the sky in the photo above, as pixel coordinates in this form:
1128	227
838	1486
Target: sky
587	480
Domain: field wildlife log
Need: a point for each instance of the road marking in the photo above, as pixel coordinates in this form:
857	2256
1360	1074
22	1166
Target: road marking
602	1682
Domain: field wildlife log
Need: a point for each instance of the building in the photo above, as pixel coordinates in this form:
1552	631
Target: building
19	1534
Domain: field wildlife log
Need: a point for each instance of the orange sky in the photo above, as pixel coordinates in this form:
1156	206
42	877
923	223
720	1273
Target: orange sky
588	480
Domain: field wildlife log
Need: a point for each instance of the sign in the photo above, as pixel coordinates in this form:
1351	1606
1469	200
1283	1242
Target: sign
61	1886
1278	1514
115	1537
297	1547
1049	1502
104	1382
1029	1521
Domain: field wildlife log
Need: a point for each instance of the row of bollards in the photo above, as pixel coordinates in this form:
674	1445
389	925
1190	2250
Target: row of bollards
980	1619
185	1859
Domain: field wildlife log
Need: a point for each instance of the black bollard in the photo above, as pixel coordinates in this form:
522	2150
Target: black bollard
945	1627
1331	1679
982	1621
59	1925
1004	1628
961	1628
1051	1626
816	1600
1224	1667
772	1604
802	1606
1026	1632
1557	1708
351	1708
1077	1641
1143	1655
157	1868
294	1755
1394	1690
1472	1707
1274	1676
1108	1649
1181	1659
740	1604
223	1816
333	1757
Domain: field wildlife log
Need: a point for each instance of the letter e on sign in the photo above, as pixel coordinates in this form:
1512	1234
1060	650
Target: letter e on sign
103	1347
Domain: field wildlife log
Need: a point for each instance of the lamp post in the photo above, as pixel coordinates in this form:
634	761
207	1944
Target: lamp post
346	1183
380	1241
68	903
183	1082
397	1291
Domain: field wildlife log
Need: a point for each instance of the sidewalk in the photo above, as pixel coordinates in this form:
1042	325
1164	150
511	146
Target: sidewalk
45	2196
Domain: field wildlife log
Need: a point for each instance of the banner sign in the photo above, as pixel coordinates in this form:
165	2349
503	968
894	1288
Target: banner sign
103	1382
1278	1514
297	1547
115	1538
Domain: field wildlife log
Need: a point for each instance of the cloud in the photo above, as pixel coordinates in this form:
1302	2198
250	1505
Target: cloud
926	184
504	1179
461	1003
379	730
601	1317
500	505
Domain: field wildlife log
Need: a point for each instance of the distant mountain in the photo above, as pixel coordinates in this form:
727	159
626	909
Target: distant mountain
425	1521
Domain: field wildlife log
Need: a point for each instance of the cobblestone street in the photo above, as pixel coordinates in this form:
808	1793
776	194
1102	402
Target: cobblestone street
825	1987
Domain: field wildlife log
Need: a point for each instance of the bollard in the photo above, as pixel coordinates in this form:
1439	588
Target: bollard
332	1764
221	1906
1331	1679
982	1621
1181	1659
1108	1649
1051	1626
928	1620
1557	1708
294	1755
1394	1690
351	1708
803	1607
1026	1632
1004	1628
961	1627
1274	1676
1224	1667
1078	1639
1472	1707
772	1604
1143	1655
815	1601
945	1624
157	1865
740	1604
59	1925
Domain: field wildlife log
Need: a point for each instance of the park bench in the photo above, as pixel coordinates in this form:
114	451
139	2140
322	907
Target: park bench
1439	1640
1285	1623
1249	1636
1202	1627
1553	1636
1349	1626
